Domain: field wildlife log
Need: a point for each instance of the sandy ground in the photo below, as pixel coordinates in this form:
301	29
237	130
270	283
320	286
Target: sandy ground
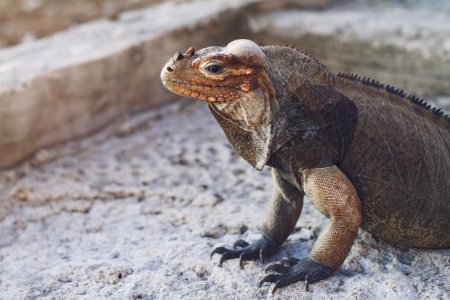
134	211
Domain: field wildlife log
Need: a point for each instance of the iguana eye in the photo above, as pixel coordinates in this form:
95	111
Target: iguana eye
213	67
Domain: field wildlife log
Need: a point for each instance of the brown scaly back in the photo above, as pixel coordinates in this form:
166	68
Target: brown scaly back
395	91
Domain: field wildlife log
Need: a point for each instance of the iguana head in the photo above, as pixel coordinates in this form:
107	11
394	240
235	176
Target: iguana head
216	74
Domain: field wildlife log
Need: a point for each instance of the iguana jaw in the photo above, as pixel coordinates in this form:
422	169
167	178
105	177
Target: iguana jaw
200	91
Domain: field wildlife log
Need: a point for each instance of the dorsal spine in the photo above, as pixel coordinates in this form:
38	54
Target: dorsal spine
395	91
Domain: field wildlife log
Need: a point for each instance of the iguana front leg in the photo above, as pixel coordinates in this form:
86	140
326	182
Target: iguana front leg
335	196
284	210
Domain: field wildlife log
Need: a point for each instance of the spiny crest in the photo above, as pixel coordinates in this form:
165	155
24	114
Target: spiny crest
363	79
421	102
414	99
304	53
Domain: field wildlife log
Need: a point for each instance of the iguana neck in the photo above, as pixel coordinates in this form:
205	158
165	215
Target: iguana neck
248	123
292	71
289	68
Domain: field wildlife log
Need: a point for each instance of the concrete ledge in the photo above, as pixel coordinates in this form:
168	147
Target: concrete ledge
74	82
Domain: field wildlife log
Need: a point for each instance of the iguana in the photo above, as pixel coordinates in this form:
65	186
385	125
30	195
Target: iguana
366	155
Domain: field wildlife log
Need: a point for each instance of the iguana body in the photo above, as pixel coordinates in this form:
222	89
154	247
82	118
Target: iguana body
363	153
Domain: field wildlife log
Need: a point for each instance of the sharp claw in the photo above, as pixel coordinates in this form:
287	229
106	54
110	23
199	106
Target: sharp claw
240	244
278	268
245	256
275	287
241	261
218	250
221	261
262	256
284	281
270	278
228	255
306	283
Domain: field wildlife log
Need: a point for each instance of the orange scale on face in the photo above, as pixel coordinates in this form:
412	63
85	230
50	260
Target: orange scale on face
245	87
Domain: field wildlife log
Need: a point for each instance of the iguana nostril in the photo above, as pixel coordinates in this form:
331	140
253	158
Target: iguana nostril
178	56
169	69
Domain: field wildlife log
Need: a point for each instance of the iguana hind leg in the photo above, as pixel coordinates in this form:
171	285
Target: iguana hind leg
334	195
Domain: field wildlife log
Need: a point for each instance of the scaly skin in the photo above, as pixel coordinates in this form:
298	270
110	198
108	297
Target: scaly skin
361	152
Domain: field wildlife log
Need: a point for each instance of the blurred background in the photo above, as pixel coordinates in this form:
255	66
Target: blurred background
26	20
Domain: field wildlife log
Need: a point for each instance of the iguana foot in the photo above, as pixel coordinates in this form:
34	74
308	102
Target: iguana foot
261	249
291	270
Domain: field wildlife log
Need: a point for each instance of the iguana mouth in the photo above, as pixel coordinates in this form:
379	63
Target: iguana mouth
196	90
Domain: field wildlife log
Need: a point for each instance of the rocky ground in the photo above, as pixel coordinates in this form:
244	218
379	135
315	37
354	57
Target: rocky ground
134	211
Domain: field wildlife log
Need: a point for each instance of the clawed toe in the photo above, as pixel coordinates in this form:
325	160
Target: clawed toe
270	278
277	268
240	244
228	255
261	248
289	261
292	270
245	256
244	253
218	250
279	280
285	281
